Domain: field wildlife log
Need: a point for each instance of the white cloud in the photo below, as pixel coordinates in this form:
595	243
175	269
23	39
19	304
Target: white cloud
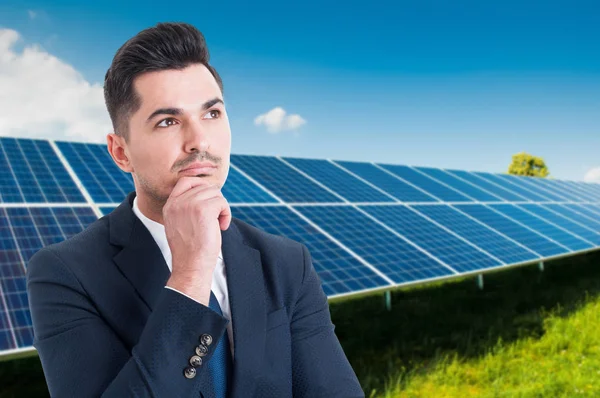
276	120
593	175
42	96
32	14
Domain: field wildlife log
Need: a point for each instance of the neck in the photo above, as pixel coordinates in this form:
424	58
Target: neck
150	208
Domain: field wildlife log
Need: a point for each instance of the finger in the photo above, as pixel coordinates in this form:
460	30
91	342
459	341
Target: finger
185	183
201	192
220	206
225	215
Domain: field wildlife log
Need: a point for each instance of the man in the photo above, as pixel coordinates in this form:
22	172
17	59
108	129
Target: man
169	295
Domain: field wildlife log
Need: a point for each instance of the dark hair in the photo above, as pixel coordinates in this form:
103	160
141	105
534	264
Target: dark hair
164	46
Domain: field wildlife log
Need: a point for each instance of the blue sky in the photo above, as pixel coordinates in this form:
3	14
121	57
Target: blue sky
435	83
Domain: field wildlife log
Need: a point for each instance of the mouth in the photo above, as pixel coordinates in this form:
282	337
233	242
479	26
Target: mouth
199	170
204	168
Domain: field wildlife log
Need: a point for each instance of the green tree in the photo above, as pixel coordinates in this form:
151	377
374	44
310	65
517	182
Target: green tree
524	164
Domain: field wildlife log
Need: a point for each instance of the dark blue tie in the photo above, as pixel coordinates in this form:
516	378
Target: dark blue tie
220	364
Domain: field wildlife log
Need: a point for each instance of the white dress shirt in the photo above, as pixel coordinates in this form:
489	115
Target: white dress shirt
219	281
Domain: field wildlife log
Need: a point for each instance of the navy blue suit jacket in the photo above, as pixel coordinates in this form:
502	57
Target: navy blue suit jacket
105	325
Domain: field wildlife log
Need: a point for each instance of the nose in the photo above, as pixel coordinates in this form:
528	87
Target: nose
196	137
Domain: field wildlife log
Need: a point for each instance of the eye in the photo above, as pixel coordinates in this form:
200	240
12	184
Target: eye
166	122
213	114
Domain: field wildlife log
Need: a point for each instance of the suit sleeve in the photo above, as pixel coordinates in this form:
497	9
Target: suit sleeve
319	366
82	356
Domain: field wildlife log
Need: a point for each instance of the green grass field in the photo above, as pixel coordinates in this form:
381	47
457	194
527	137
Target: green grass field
527	334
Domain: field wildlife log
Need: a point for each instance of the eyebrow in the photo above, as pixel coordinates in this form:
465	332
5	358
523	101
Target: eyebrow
179	111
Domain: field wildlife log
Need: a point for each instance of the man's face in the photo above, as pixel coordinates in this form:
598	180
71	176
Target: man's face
181	120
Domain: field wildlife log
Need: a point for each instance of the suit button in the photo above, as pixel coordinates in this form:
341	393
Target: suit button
195	361
190	372
206	339
201	350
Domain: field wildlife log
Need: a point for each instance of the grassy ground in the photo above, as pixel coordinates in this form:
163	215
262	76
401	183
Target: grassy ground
563	362
527	334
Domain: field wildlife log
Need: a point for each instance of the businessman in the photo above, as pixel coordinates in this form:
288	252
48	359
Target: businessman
169	295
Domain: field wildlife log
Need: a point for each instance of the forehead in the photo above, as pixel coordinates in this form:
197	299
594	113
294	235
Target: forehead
181	88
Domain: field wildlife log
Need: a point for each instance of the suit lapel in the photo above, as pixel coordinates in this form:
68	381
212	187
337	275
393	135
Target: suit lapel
143	264
245	283
141	260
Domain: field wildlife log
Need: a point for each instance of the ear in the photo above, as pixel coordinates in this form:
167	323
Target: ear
117	147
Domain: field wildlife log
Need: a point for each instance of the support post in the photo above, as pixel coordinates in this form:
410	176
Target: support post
480	281
541	266
388	300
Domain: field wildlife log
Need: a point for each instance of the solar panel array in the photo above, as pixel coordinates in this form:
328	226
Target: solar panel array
368	226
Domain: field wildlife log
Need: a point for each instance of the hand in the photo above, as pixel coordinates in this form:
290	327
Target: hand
194	215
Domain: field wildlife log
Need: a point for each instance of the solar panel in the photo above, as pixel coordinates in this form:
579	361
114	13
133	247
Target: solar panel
589	194
591	189
239	189
32	173
488	186
490	240
11	271
9	189
339	180
593	208
285	182
23	231
105	210
105	182
386	181
560	189
580	208
436	240
549	191
522	182
339	271
518	232
563	222
368	226
591	185
540	225
466	188
7	338
574	189
519	190
431	186
575	216
587	187
395	257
